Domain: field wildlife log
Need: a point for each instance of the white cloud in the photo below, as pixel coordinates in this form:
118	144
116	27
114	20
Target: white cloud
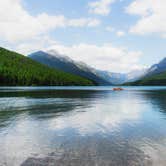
35	44
104	57
83	22
101	7
110	28
152	15
16	24
120	33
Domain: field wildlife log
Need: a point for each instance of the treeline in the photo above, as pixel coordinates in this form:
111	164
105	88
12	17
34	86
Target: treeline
18	70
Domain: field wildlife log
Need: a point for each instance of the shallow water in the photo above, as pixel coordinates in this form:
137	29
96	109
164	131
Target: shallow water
82	126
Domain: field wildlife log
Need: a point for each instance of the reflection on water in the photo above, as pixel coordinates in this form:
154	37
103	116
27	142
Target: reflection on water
83	126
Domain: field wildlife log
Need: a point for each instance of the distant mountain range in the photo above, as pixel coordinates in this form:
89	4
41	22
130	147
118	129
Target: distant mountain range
52	68
19	70
120	78
53	59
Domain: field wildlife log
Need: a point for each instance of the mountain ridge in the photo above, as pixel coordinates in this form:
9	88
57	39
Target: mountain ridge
19	70
66	64
156	75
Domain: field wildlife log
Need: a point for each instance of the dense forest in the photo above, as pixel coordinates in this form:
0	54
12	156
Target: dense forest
158	79
18	70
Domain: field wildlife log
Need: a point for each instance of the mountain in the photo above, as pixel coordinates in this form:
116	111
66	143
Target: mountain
157	68
158	79
18	70
155	75
114	78
135	75
120	78
62	62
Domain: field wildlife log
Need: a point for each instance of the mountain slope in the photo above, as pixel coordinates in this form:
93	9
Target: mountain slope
53	59
16	69
158	79
157	68
155	75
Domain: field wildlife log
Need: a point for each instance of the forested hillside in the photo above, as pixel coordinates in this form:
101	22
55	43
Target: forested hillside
18	70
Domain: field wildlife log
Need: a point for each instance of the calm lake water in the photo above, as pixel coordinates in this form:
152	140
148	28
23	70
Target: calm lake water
82	126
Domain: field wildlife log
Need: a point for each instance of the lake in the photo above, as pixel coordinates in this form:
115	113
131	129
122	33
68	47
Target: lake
82	126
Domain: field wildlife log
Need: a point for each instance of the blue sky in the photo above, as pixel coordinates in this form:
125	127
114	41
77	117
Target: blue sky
114	35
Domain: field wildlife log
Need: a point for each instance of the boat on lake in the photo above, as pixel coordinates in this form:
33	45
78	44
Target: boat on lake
118	89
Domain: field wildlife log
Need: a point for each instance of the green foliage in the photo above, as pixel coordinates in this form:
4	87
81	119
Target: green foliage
18	70
159	79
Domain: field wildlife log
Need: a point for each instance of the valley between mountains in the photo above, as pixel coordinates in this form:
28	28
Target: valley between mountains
51	68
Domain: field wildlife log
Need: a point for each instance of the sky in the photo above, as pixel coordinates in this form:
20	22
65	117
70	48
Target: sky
113	35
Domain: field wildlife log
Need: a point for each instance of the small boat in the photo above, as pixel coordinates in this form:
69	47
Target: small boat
118	89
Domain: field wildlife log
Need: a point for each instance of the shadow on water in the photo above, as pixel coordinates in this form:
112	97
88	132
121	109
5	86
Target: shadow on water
158	99
43	104
51	93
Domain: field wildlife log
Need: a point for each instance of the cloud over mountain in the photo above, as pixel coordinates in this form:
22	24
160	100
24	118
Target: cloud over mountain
105	57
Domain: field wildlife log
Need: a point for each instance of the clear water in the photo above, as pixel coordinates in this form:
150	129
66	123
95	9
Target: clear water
82	126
